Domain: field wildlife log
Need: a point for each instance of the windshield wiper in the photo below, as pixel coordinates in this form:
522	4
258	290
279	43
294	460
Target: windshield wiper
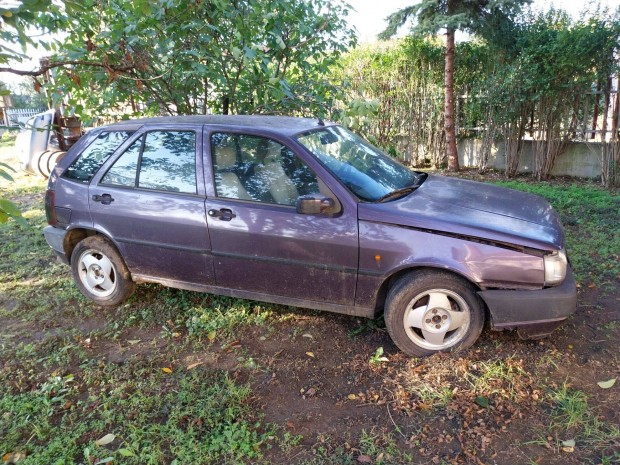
404	190
397	193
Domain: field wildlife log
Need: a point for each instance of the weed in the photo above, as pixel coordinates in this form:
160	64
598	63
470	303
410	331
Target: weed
377	358
433	396
368	325
372	447
225	316
289	441
571	416
495	377
192	417
570	408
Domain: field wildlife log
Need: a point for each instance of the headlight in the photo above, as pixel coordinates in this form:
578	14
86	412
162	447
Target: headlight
555	268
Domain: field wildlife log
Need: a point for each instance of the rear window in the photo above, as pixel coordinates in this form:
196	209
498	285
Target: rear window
92	157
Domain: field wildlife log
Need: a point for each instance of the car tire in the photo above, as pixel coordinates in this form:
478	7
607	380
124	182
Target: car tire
432	311
100	273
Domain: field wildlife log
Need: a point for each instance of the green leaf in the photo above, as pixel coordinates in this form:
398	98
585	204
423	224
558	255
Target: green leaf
6	175
3	217
4	165
126	453
482	401
607	384
20	220
9	207
106	460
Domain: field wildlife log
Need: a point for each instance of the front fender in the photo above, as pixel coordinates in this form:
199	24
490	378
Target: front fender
388	249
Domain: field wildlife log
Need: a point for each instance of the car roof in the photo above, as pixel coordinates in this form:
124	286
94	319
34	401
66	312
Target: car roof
286	125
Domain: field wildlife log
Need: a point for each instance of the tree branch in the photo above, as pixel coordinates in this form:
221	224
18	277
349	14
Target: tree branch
43	69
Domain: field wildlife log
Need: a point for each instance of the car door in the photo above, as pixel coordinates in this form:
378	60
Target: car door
149	200
259	242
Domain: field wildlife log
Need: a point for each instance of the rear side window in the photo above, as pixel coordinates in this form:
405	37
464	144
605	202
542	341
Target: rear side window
92	157
167	161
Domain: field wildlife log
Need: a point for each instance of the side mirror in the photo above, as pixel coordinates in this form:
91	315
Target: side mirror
314	204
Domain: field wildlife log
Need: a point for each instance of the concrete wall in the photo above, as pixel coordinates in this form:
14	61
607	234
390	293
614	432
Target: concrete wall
580	159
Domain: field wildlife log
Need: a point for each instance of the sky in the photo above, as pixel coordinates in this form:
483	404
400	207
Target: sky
369	19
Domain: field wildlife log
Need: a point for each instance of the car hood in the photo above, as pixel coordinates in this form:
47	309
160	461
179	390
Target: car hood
473	209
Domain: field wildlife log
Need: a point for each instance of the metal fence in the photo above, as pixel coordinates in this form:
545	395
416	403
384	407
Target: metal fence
595	117
18	116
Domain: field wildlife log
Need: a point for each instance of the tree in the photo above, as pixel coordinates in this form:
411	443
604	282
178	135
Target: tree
474	16
197	56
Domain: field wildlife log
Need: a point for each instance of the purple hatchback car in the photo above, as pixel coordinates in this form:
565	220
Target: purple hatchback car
301	212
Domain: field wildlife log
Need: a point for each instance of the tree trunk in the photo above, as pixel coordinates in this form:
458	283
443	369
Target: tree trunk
225	105
597	97
453	158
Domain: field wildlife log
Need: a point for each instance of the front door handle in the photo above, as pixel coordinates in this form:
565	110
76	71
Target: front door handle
223	214
105	199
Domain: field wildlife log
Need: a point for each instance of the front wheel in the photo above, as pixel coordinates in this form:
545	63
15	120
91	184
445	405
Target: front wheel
100	273
432	311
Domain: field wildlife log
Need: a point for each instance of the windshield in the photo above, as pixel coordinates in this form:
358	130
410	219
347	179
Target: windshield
367	172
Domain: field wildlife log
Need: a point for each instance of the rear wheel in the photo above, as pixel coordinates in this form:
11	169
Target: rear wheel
100	273
432	311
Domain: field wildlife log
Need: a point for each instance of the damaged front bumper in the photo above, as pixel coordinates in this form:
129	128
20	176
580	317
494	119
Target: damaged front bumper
533	314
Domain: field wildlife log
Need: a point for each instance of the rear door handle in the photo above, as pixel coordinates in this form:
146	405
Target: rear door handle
223	214
105	199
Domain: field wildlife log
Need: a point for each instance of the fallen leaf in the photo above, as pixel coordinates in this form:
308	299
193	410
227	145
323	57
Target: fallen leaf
167	370
311	392
308	335
351	397
482	401
607	384
134	341
232	345
107	439
194	365
364	459
211	336
310	354
13	457
568	446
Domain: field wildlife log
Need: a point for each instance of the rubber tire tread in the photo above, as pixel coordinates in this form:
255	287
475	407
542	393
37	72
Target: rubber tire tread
124	284
416	282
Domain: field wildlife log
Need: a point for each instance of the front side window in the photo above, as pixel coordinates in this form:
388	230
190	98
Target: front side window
260	169
166	161
367	172
92	157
